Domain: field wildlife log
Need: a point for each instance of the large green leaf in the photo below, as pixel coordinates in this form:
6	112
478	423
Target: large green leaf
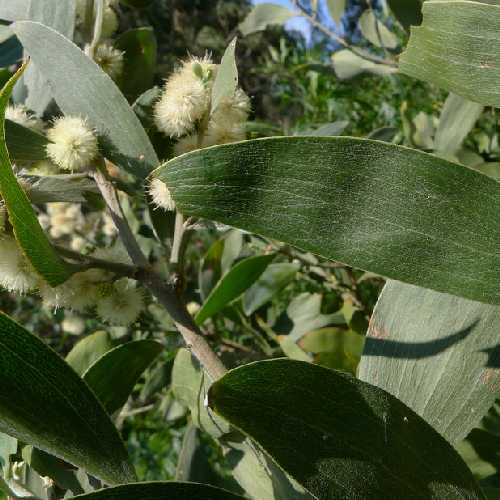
383	208
80	87
241	277
457	119
27	229
340	437
161	491
43	402
23	144
457	48
226	80
140	49
263	15
437	353
113	376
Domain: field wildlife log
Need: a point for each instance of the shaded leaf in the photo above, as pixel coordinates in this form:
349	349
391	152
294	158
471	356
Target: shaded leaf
140	49
329	129
233	284
393	453
43	402
80	87
383	208
113	376
457	48
161	490
28	232
263	15
437	353
11	51
24	145
407	12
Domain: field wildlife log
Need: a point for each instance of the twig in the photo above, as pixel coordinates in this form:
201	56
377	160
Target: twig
164	292
342	41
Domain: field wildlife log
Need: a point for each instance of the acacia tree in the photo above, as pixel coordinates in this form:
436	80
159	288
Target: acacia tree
429	369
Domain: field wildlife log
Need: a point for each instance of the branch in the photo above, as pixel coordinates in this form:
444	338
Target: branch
164	292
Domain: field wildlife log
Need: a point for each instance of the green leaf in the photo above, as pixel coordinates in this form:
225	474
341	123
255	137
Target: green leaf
59	16
43	402
161	490
11	51
28	232
113	376
348	65
379	207
491	169
226	81
340	437
80	87
336	9
329	129
232	285
407	12
376	32
446	347
13	11
273	279
263	15
457	48
140	49
88	350
457	120
64	187
23	144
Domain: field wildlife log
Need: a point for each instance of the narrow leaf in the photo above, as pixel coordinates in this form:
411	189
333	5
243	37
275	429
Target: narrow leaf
383	208
88	350
226	80
348	65
113	376
457	120
263	15
27	229
376	32
65	187
241	277
340	437
160	491
437	353
43	402
336	9
80	87
457	48
273	279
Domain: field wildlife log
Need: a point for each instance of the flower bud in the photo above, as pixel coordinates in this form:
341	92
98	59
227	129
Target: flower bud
109	59
160	195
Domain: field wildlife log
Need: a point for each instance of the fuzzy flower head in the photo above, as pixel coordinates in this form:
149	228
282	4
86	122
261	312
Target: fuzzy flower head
73	143
79	293
186	97
120	303
109	59
160	195
20	115
74	325
16	273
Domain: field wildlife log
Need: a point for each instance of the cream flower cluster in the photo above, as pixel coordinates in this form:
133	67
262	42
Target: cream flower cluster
109	59
184	112
22	116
